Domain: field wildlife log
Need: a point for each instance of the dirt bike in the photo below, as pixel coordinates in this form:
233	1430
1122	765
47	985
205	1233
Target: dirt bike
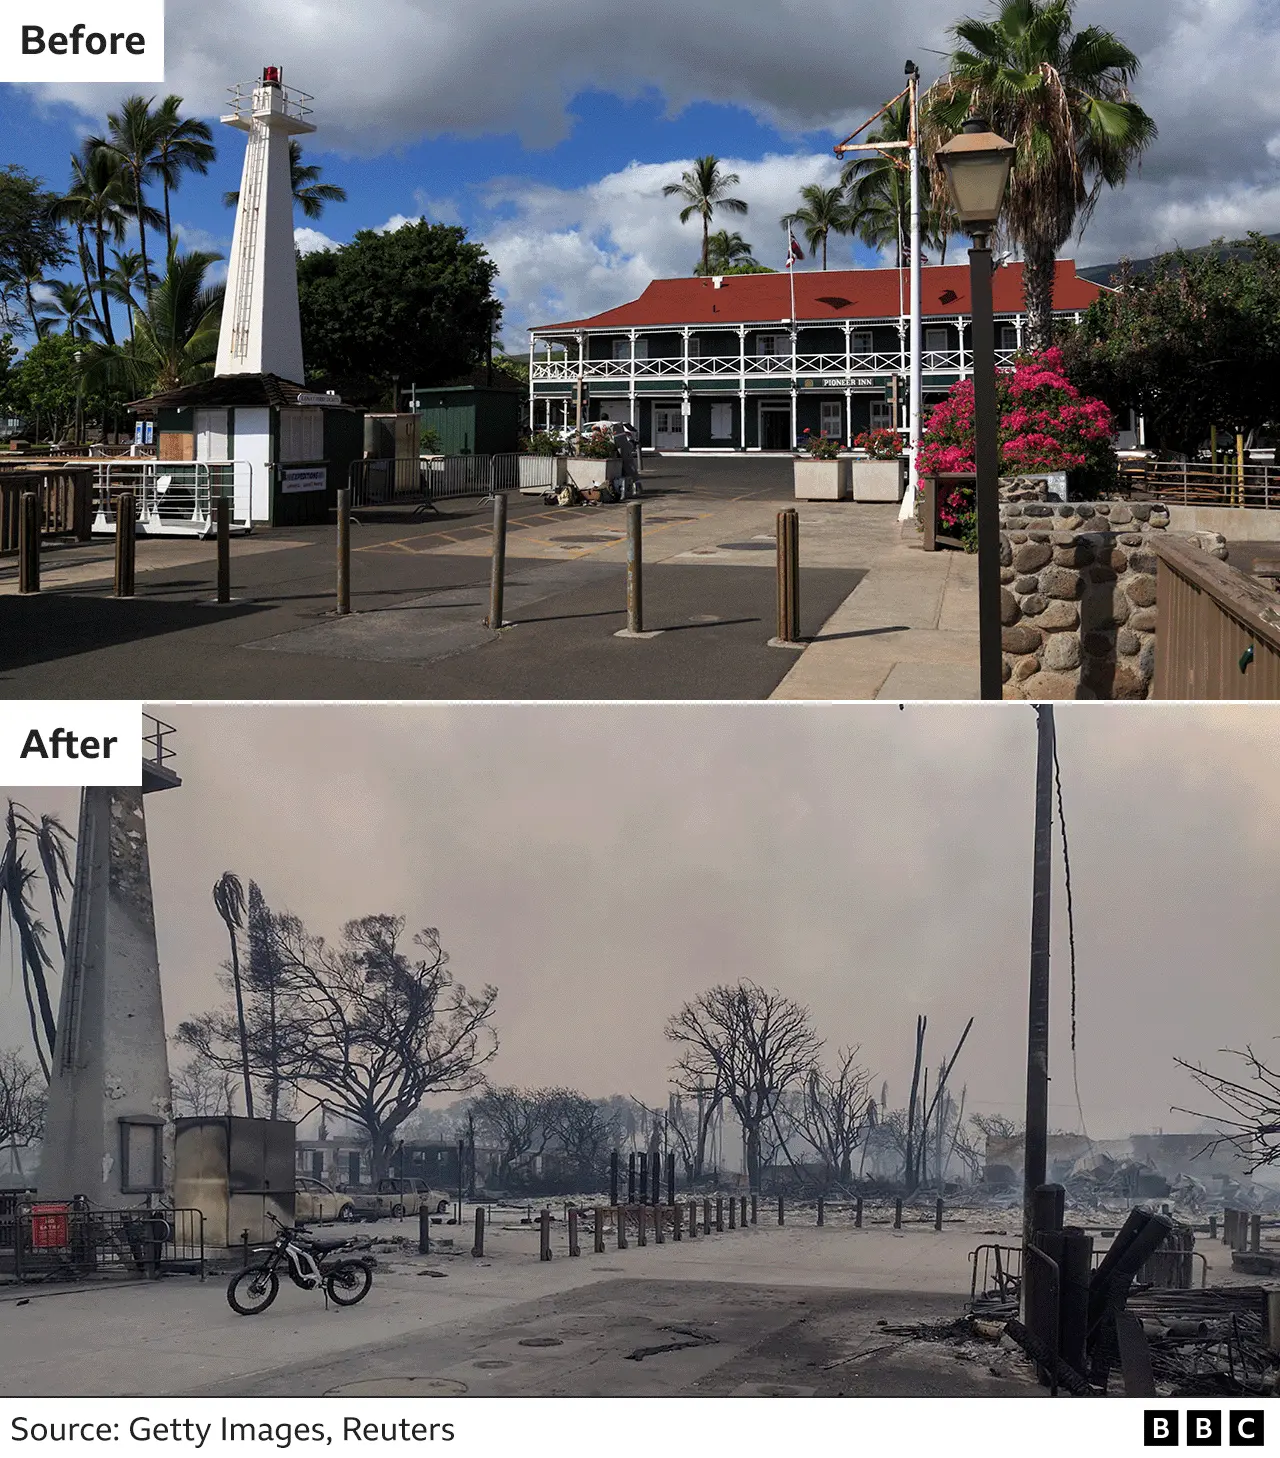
307	1264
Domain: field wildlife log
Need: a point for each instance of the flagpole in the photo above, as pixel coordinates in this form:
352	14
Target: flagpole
791	269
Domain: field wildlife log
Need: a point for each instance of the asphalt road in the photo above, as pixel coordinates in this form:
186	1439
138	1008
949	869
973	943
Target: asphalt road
416	629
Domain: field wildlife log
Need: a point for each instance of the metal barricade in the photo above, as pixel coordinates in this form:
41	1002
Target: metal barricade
387	482
70	1240
174	498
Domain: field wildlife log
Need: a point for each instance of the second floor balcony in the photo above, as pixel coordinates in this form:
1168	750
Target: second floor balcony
735	365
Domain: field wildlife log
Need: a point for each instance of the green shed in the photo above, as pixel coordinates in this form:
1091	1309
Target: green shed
481	419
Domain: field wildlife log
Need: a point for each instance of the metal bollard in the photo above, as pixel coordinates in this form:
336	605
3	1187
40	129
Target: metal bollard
574	1248
677	1220
754	1211
937	1216
477	1247
857	1213
126	542
620	1221
635	570
598	1244
693	1219
344	550
498	567
424	1230
224	547
782	1213
641	1236
29	542
897	1214
822	1211
788	532
544	1235
706	1217
719	1214
733	1213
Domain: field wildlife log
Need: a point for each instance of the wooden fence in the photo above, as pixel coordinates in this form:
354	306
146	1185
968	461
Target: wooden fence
1217	631
66	502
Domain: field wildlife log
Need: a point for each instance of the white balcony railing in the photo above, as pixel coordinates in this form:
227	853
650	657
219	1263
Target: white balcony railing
933	361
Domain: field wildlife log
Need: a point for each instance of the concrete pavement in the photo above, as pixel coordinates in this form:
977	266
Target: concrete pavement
883	619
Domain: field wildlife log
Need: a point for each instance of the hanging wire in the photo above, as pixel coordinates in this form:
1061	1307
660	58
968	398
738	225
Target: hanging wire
1071	934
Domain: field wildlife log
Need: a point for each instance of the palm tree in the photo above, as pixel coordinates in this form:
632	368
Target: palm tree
183	144
175	337
1063	99
123	282
229	902
98	203
18	880
310	194
69	305
133	135
726	250
704	188
879	191
825	211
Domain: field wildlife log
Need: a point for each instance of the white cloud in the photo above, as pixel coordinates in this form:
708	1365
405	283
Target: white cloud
312	240
395	222
563	253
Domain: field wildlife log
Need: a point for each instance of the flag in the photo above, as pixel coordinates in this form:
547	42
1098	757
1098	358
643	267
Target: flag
794	250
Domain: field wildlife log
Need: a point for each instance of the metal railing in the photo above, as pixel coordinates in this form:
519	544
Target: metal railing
173	498
1204	483
55	1240
155	740
701	366
383	483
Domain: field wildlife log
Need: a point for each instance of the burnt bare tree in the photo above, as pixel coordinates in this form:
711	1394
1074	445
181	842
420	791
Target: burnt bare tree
1248	1112
517	1119
583	1132
752	1042
690	1115
833	1112
22	1101
201	1090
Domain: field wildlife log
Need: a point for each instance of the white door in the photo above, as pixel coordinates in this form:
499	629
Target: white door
253	444
668	428
211	435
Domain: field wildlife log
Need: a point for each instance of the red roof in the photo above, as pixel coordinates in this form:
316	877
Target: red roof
855	293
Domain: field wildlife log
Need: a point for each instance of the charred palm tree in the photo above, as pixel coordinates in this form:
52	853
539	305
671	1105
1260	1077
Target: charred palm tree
229	902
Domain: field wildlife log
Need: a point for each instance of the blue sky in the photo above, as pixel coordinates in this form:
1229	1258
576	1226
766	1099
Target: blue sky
549	129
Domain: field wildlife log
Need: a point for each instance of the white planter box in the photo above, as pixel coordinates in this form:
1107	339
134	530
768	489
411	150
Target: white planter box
822	480
541	473
586	473
878	480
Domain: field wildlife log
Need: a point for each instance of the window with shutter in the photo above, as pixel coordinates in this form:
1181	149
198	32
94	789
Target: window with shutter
302	435
722	422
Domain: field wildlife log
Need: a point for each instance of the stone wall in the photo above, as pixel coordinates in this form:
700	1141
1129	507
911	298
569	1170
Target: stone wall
1078	598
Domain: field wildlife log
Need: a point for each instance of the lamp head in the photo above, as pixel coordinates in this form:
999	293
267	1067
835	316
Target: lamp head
976	164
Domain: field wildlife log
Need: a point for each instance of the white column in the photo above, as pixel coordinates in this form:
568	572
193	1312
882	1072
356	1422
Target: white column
914	414
685	403
793	413
960	331
260	332
848	417
742	383
631	402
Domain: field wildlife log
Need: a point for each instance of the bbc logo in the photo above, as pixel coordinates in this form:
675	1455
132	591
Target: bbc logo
1161	1429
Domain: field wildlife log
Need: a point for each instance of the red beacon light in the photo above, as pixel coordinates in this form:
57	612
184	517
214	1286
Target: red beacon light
271	76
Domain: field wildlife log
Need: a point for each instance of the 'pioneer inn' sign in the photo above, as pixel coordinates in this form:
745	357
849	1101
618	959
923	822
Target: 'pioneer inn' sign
724	364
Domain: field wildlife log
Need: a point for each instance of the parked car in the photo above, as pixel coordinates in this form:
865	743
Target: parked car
397	1197
316	1202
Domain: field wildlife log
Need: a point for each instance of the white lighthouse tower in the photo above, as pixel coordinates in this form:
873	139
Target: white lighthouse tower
260	332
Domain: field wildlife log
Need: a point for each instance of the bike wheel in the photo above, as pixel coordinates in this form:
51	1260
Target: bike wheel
253	1290
348	1283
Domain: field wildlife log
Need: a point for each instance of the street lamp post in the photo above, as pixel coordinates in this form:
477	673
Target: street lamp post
79	359
976	165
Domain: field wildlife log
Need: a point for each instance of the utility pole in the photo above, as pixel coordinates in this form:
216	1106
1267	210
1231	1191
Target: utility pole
1035	1154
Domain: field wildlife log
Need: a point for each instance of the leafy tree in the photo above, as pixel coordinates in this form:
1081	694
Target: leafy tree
824	212
416	303
309	193
730	253
32	243
44	385
753	1043
1192	343
1062	97
704	189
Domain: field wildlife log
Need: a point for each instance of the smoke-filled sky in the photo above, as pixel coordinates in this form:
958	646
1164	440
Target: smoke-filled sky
601	863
